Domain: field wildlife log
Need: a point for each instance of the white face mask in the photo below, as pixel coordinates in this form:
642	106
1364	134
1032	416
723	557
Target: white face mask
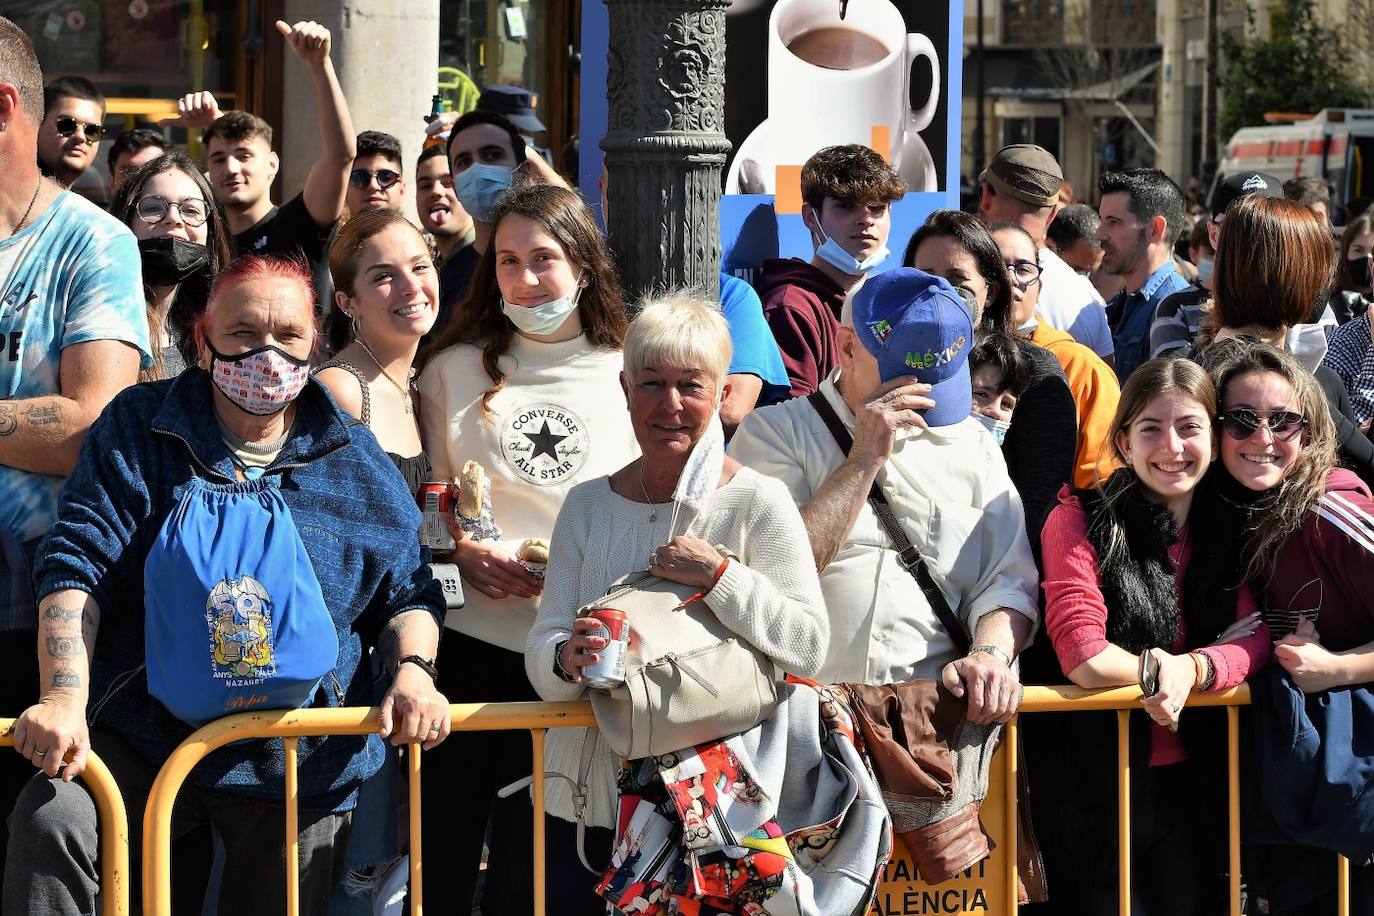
543	319
831	253
998	428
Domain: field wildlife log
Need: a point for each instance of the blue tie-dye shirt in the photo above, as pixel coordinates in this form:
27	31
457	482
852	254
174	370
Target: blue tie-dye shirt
71	276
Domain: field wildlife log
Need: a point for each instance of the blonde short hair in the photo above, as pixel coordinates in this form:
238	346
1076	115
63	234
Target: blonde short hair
682	329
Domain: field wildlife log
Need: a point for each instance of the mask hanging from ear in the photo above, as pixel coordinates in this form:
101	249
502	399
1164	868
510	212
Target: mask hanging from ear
833	254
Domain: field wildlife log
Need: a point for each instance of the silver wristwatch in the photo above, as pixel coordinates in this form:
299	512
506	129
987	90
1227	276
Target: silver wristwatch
994	651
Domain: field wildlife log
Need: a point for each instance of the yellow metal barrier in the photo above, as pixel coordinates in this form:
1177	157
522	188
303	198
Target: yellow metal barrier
290	726
537	718
114	829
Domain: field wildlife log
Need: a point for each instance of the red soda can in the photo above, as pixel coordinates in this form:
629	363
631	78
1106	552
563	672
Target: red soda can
609	670
436	499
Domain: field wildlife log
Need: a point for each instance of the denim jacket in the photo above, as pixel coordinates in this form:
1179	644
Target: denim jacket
355	517
1130	316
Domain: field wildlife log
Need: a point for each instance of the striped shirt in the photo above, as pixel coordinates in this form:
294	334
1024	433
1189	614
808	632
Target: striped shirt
1325	570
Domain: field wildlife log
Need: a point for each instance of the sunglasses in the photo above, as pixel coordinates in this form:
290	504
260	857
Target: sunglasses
361	178
67	125
153	210
1242	423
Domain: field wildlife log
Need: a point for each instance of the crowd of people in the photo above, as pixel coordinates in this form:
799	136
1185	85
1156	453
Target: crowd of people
1032	452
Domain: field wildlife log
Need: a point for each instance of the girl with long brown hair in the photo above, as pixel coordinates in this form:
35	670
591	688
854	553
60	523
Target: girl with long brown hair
1133	582
386	286
1307	546
525	382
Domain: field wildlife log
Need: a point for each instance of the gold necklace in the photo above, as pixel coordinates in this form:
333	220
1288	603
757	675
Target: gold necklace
405	393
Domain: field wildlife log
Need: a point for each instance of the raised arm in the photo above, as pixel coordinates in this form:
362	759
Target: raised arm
56	726
328	178
44	434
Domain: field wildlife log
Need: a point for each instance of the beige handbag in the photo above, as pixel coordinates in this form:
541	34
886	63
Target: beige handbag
689	679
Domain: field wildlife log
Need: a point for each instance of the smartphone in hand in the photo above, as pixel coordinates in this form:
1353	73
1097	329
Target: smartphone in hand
1148	673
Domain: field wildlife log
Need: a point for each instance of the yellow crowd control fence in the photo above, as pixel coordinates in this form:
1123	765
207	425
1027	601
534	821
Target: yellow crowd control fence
999	808
114	829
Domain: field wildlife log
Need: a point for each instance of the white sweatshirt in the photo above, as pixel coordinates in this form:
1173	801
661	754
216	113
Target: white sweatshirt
771	597
560	419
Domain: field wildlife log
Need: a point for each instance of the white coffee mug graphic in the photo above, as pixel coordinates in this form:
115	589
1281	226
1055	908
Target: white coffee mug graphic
811	107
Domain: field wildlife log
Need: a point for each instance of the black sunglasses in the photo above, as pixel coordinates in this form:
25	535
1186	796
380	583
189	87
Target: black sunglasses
67	125
1242	423
361	178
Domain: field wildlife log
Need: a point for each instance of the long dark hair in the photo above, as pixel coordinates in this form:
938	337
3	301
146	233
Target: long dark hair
970	233
479	320
188	302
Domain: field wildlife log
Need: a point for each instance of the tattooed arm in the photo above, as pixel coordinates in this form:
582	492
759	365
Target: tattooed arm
413	709
44	434
56	725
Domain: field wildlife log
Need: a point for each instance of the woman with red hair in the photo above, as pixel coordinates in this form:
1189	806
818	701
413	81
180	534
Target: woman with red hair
235	518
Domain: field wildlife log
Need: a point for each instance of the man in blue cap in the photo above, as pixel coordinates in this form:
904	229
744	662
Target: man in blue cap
902	393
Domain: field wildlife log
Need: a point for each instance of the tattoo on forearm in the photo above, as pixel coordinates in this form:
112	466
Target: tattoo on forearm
43	416
390	642
58	612
9	419
64	646
66	677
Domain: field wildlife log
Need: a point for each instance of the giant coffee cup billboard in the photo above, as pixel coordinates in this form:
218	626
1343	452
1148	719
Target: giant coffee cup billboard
801	75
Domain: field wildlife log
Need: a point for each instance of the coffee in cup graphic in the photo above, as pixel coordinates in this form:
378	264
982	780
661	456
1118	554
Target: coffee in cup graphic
834	81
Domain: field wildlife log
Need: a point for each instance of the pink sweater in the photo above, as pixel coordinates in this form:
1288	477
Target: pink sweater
1076	613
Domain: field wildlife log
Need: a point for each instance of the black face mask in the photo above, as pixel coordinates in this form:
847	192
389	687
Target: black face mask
168	261
1359	270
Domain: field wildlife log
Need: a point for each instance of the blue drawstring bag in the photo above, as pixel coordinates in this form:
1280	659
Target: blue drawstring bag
235	621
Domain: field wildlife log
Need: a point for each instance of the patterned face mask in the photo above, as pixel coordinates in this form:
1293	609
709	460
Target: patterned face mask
262	381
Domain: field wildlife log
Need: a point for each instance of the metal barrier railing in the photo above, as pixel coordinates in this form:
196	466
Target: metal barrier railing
114	829
1123	700
290	726
537	718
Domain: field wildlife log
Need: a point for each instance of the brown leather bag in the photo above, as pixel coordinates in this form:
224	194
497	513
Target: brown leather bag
933	766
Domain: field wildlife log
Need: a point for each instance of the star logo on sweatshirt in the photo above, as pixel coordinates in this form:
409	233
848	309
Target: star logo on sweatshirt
544	444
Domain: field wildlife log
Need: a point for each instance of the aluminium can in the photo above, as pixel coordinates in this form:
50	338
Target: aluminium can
436	499
609	671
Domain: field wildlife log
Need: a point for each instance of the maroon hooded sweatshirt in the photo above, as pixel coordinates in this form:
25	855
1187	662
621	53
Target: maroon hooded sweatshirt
802	306
1325	570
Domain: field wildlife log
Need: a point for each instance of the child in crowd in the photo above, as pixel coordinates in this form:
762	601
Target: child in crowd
999	375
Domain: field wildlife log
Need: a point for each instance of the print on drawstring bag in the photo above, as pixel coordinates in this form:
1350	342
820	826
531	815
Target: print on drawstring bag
235	618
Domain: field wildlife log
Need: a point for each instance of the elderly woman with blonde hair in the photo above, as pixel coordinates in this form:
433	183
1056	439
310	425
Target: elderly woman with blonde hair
676	356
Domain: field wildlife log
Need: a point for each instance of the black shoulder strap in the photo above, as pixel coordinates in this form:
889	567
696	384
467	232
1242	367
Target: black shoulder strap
907	555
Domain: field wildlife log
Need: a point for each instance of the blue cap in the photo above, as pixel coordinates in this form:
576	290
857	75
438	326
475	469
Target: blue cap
916	324
515	102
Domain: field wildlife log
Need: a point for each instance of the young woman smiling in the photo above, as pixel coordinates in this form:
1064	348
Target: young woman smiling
526	382
1308	547
386	284
1131	577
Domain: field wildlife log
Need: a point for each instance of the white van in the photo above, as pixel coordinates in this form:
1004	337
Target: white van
1336	144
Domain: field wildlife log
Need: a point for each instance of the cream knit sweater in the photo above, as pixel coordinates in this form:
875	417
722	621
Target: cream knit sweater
771	597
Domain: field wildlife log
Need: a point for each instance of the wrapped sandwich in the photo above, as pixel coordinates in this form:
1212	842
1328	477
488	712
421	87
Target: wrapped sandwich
534	556
473	511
